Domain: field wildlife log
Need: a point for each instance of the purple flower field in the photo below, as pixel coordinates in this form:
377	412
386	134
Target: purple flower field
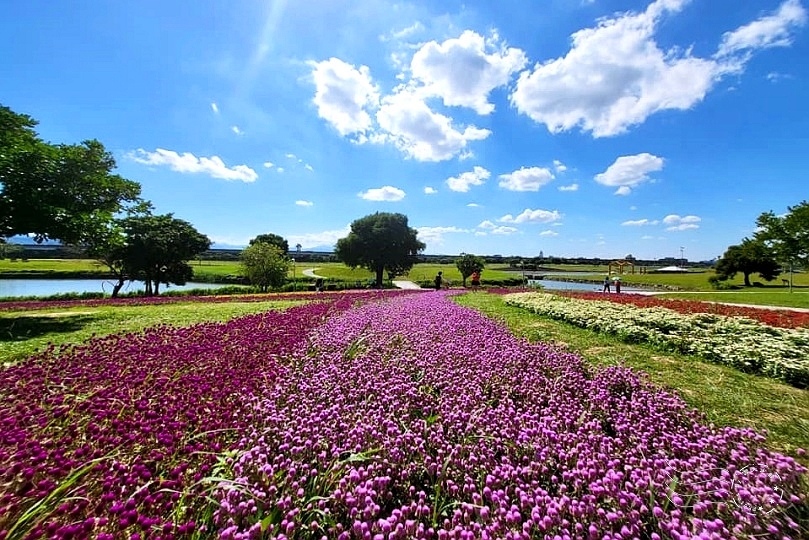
407	417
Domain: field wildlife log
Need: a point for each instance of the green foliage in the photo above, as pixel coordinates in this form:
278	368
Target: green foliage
66	192
272	239
468	264
748	257
380	242
787	235
158	249
265	265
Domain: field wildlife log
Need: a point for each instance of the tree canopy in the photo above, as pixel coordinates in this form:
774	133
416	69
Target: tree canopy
468	264
274	240
749	257
265	265
157	250
380	242
787	235
58	191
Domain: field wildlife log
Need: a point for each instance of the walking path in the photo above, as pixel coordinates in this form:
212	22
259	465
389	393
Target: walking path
310	272
406	285
757	306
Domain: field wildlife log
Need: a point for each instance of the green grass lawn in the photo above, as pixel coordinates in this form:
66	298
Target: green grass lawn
725	396
24	332
52	265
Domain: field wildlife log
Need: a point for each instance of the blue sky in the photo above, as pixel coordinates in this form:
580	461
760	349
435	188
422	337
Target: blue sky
570	127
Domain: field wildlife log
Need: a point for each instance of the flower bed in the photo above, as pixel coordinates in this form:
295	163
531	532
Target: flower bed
785	317
739	342
31	305
421	419
113	439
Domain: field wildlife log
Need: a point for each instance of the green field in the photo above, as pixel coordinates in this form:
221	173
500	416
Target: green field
24	332
727	397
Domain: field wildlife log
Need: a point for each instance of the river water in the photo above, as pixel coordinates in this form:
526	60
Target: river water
556	285
47	287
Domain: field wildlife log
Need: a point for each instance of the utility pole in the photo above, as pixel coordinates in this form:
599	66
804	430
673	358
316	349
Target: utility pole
682	257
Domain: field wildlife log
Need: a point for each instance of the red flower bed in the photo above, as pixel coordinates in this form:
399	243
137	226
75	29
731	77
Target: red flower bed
784	318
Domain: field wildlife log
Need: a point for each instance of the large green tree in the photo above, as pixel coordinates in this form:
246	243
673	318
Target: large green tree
158	248
64	192
468	264
272	239
787	235
265	265
380	242
749	257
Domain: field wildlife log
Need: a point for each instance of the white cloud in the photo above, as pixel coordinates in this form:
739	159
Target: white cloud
533	216
385	193
214	107
236	130
269	164
639	222
647	237
304	203
559	166
404	32
464	181
420	132
571	187
324	238
280	169
343	95
473	205
614	76
526	179
768	31
629	171
435	235
487	227
676	222
291	156
189	163
462	72
309	167
430	190
549	233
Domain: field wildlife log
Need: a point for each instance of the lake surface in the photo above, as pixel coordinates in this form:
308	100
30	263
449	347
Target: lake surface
47	287
574	286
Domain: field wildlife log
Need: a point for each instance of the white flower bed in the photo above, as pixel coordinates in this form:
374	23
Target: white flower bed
740	342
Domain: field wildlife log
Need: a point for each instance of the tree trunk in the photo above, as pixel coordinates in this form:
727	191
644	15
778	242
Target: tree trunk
157	287
117	287
747	279
380	270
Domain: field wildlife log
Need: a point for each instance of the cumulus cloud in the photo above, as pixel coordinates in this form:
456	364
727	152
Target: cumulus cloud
639	222
189	163
420	132
317	239
269	164
629	171
304	203
559	166
435	235
526	179
549	233
676	222
430	190
463	71
487	227
214	107
571	187
343	95
533	216
462	182
775	30
385	193
615	74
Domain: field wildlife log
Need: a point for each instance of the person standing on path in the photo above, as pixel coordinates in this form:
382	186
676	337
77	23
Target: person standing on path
606	284
438	281
617	285
475	280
